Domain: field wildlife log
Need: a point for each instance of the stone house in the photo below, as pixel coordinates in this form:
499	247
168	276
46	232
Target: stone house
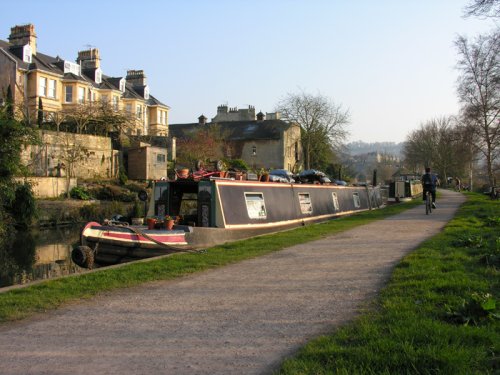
55	86
262	143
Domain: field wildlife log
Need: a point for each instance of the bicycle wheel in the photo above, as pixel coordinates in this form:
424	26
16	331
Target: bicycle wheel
428	205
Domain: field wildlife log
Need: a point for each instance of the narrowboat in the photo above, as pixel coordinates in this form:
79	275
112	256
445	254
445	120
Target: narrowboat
218	210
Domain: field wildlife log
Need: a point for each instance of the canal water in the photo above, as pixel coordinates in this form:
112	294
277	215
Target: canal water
39	255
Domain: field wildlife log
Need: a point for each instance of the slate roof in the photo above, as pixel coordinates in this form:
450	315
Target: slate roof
235	130
56	65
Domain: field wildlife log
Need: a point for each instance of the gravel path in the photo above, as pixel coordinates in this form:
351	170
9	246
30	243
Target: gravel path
239	319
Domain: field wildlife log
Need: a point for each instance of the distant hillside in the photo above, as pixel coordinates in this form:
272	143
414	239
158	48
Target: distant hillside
360	147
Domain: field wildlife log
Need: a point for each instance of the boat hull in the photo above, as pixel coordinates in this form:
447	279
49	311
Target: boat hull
225	211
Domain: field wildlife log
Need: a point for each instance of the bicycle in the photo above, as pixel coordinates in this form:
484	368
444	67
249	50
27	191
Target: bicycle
428	203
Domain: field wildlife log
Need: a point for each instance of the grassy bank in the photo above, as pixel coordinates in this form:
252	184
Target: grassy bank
439	313
20	303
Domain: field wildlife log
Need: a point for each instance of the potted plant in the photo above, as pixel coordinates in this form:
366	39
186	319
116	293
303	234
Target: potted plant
137	213
169	222
151	222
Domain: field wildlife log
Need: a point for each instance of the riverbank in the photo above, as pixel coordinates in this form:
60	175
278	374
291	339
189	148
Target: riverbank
68	211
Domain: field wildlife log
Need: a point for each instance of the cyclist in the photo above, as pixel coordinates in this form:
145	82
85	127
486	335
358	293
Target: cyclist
429	183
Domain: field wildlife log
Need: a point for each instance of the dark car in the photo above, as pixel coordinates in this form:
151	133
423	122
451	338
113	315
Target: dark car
311	176
281	175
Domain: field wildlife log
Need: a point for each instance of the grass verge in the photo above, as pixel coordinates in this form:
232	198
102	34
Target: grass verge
438	314
21	303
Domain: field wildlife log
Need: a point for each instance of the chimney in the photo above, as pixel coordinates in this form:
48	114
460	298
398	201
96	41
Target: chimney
260	117
202	120
136	77
22	35
89	59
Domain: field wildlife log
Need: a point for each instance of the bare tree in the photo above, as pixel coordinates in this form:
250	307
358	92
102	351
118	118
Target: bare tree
479	94
322	123
109	119
438	143
81	115
70	153
57	118
483	8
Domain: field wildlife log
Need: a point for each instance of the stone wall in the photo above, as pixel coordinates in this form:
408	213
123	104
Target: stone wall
50	187
80	155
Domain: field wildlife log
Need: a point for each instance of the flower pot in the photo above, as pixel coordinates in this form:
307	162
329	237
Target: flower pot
183	173
169	224
151	223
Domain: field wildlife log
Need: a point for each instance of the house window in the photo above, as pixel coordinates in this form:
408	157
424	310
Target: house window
138	111
89	95
42	87
68	94
305	203
162	117
160	158
115	102
104	98
81	95
256	206
128	108
335	200
355	198
52	89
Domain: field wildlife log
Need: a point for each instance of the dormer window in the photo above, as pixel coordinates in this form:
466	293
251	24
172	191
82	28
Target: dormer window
146	92
98	75
71	67
122	84
27	53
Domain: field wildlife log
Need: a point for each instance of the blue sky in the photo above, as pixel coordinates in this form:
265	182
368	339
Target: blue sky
390	63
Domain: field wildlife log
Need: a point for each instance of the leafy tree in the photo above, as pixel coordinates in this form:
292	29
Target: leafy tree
322	125
39	119
479	94
14	196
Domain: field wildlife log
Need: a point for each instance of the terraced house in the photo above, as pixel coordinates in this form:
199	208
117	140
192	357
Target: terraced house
51	86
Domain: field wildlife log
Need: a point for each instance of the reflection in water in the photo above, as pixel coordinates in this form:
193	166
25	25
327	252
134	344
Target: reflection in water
38	255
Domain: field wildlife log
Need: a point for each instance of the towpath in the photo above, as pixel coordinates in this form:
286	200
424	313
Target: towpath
239	319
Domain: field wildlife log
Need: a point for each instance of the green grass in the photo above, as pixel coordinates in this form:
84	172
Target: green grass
21	303
439	314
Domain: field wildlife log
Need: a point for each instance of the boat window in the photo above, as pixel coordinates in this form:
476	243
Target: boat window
357	202
189	205
335	200
256	207
161	193
305	203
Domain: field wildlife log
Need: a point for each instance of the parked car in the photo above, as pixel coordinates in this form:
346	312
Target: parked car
281	175
311	176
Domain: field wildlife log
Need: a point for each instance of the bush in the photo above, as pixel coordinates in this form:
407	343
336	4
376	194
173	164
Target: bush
237	164
80	193
23	206
137	209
